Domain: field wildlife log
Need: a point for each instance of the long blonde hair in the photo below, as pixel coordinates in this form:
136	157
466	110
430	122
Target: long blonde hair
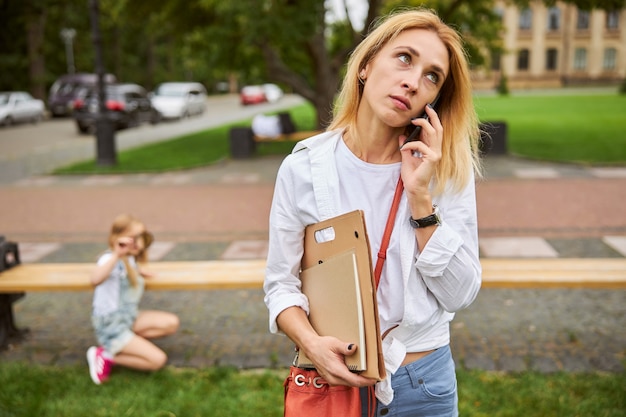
120	225
461	133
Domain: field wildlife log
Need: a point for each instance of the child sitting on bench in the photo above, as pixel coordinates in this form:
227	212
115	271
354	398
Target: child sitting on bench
122	330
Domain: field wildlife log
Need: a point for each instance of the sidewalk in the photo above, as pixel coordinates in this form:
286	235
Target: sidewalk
525	209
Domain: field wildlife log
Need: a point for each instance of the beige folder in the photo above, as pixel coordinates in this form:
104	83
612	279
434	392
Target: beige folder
335	307
326	240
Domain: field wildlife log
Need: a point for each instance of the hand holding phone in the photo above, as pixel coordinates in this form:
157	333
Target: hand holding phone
413	136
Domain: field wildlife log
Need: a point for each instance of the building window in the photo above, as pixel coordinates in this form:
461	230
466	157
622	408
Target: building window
612	20
554	18
610	59
580	59
582	22
551	59
525	19
522	59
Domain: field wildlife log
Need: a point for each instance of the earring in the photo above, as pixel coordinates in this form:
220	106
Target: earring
362	77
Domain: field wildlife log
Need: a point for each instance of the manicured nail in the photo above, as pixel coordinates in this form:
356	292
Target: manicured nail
430	105
350	346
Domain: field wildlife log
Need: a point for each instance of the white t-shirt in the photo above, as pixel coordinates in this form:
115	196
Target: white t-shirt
106	297
372	191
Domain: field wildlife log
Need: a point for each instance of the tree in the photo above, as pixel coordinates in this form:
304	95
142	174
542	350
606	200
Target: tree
300	49
284	41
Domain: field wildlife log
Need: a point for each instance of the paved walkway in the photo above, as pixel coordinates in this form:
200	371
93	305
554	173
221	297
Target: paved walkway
220	212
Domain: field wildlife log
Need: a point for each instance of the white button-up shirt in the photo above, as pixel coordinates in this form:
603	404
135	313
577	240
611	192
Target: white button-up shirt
445	277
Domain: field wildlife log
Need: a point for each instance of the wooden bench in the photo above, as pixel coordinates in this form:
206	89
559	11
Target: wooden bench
220	275
207	275
243	142
249	274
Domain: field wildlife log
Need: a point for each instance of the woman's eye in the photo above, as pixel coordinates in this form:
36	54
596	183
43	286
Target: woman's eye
405	58
434	78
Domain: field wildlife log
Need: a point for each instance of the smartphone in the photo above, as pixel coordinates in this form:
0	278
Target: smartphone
413	136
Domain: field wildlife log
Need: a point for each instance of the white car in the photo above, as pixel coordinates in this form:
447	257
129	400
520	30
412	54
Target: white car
273	93
177	100
19	106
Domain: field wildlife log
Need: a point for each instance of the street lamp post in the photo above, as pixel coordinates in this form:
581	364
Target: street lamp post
105	133
68	35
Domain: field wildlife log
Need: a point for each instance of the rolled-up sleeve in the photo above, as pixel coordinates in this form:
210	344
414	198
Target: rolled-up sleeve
449	264
282	284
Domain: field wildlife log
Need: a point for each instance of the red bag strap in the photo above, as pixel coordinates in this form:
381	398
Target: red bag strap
391	219
382	255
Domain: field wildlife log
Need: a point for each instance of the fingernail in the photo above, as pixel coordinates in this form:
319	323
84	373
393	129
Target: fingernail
430	105
350	346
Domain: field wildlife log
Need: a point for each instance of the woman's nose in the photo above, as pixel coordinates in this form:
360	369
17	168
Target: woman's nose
410	86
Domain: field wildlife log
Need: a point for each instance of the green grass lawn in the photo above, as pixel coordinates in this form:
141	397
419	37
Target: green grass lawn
188	151
33	390
586	129
589	129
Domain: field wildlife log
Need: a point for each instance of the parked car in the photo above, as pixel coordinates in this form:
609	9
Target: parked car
177	100
273	93
20	106
252	94
67	88
127	105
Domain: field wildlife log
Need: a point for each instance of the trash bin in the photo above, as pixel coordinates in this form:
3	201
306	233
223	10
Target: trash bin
493	138
286	123
242	143
9	257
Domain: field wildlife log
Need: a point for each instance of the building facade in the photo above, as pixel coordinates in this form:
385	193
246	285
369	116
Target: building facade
546	47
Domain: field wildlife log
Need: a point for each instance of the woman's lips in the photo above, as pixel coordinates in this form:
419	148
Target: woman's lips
401	102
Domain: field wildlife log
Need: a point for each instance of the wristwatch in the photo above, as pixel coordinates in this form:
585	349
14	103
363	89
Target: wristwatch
430	220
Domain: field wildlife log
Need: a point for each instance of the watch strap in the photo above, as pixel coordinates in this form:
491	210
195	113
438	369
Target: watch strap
430	220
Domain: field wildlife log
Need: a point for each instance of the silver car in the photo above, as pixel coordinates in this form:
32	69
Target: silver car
177	100
20	106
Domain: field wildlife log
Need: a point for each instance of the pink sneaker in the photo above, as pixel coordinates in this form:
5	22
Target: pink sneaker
99	366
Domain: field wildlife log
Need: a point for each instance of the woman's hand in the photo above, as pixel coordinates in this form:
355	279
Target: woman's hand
327	354
420	157
419	163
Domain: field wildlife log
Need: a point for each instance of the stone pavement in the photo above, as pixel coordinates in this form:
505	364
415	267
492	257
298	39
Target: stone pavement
526	209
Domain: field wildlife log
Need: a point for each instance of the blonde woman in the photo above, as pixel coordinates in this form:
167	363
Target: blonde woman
122	330
432	267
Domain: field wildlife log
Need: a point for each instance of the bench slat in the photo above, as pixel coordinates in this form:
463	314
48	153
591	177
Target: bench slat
553	273
208	275
169	276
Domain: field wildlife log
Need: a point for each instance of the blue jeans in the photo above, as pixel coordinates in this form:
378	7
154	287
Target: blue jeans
424	388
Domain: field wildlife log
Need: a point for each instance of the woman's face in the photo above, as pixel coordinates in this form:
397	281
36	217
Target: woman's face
405	75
